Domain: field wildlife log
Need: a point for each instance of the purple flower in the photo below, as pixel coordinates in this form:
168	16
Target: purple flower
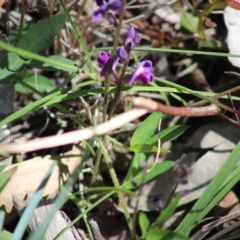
142	73
132	39
106	7
158	203
185	192
180	172
123	53
105	59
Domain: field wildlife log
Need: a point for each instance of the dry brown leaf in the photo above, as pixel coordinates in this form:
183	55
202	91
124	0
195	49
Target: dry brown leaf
29	175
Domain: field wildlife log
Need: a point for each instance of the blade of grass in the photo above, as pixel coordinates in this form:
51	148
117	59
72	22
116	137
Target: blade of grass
22	224
197	212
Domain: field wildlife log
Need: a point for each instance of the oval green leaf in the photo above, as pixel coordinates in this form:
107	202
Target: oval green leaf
41	34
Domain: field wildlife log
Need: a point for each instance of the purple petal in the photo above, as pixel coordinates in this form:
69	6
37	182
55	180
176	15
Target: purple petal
111	17
129	43
115	62
137	38
105	67
115	6
103	57
131	33
142	72
145	77
147	65
185	192
99	13
130	78
158	203
99	2
122	53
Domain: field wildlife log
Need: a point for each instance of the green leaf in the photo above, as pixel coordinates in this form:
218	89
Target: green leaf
167	212
198	210
142	141
146	129
2	167
168	134
160	234
211	43
143	223
150	173
14	34
45	66
5	177
38	82
146	148
41	34
134	169
5	235
10	66
189	22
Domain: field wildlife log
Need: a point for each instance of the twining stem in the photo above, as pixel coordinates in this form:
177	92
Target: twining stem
115	183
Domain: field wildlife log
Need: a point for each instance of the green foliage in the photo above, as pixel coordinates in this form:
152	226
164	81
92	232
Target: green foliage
10	66
167	212
213	191
211	43
41	34
144	223
45	66
36	39
153	231
142	139
5	176
150	173
41	83
189	22
5	235
160	234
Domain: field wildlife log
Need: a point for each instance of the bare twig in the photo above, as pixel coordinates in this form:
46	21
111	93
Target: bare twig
74	136
151	105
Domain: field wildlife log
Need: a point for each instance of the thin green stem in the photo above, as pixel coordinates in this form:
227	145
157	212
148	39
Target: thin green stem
115	183
167	50
29	55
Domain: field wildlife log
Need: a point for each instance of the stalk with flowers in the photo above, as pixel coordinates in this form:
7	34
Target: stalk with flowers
117	70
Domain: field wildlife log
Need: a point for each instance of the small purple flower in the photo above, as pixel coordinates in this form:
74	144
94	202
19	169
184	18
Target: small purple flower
132	39
158	203
185	192
180	172
122	53
142	73
105	59
106	7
